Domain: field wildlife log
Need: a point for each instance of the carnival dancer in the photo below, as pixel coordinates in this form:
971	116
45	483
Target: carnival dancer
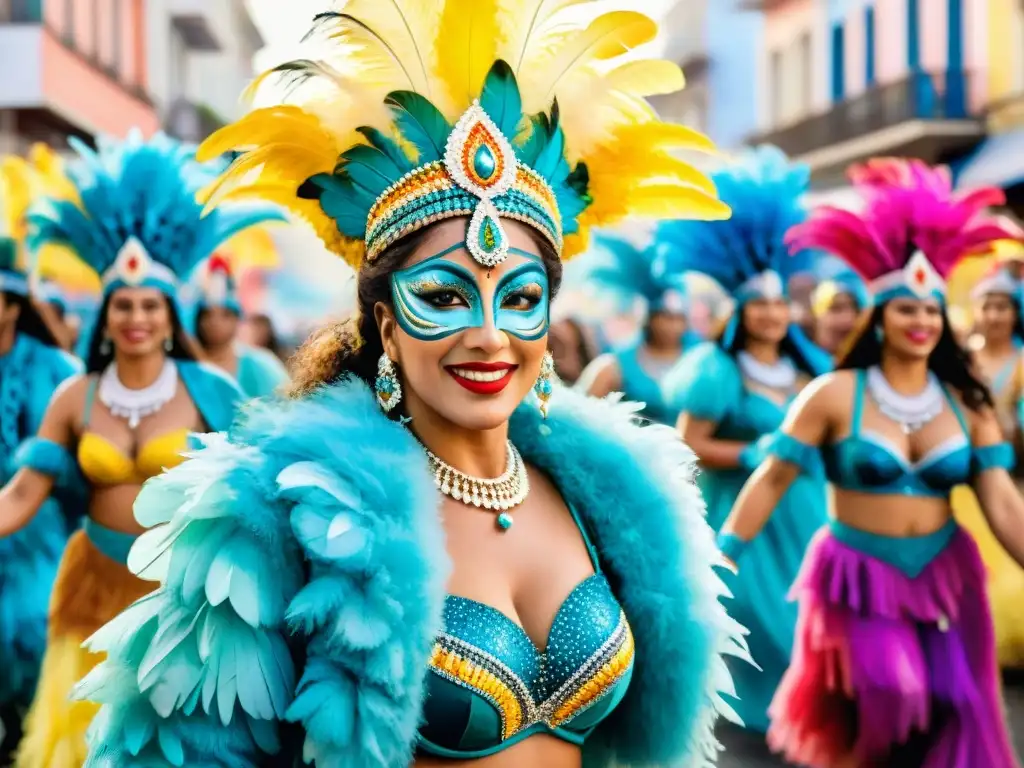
460	578
135	221
32	367
629	275
729	393
997	319
837	304
258	372
895	658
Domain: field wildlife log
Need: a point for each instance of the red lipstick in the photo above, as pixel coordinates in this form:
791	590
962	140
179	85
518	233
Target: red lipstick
482	378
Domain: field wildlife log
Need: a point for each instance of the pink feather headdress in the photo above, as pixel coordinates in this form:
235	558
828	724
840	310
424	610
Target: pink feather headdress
912	231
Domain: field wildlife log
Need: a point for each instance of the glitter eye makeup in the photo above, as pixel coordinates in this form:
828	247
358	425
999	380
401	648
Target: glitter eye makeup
437	298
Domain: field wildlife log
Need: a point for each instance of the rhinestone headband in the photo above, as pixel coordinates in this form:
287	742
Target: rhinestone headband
480	177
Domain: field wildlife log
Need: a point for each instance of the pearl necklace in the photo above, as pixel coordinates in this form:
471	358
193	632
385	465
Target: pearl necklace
500	494
136	404
911	412
779	375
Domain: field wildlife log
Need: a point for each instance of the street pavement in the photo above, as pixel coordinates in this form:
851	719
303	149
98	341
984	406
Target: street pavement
742	751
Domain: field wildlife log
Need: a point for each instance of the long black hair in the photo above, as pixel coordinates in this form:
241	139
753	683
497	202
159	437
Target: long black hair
948	361
96	359
30	322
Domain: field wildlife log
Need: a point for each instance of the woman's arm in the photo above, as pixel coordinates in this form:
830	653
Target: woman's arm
40	468
998	495
601	377
805	429
712	452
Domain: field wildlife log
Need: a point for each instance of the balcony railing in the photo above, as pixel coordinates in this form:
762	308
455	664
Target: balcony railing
21	11
921	96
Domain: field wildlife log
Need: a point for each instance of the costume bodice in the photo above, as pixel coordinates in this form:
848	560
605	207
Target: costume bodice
640	386
490	686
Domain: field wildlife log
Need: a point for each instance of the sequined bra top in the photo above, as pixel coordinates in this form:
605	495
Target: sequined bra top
490	687
869	463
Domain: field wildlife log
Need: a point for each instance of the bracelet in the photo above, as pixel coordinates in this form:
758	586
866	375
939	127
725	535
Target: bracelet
731	545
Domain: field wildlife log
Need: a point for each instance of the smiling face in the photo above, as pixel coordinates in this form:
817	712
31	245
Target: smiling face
468	341
138	321
837	322
996	317
766	320
912	327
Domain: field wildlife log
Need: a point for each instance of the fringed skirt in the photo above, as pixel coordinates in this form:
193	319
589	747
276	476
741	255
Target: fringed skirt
91	589
891	670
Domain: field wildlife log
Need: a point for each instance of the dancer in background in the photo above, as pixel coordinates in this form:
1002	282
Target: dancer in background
728	394
459	579
32	367
999	363
134	220
630	275
217	313
837	304
895	657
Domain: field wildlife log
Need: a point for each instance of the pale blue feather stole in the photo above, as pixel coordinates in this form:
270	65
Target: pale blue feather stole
302	583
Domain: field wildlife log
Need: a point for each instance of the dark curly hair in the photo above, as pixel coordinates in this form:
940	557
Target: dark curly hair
351	348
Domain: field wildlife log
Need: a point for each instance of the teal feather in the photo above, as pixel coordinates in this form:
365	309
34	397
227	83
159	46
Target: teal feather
343	202
369	169
8	254
420	123
389	147
501	100
536	138
552	156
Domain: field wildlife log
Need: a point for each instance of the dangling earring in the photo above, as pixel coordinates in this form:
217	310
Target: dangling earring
168	344
543	387
387	386
106	347
879	334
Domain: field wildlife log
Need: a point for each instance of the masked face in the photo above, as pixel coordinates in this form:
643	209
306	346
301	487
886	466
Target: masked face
138	321
468	341
912	327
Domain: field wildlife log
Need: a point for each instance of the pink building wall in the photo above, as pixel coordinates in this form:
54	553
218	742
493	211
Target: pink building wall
784	24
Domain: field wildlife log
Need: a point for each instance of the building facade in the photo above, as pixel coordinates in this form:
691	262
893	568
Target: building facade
844	80
81	70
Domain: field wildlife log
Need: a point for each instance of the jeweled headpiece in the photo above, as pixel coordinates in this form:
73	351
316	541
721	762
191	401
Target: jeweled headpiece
912	231
487	109
216	284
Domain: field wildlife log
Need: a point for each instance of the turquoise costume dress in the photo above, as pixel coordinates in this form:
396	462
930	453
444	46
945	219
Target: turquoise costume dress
639	386
708	385
746	255
259	371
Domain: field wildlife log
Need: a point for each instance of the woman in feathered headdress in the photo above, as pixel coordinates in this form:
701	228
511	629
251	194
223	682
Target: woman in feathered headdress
895	657
630	274
459	578
32	367
837	302
131	215
217	314
729	393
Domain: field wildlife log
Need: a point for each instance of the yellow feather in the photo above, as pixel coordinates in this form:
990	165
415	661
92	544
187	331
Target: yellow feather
669	201
466	49
646	78
525	25
16	194
269	125
664	136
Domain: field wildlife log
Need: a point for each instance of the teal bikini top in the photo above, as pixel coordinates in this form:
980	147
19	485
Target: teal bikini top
490	687
867	462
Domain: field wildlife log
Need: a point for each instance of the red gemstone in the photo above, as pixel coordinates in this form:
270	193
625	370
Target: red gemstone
920	275
133	263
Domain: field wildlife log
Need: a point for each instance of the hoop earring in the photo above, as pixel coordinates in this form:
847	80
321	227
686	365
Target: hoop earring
387	386
106	346
543	387
168	344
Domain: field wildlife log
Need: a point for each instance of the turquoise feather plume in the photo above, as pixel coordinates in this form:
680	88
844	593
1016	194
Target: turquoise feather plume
144	189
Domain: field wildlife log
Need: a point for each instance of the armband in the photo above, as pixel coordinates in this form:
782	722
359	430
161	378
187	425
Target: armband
47	458
732	546
792	451
998	456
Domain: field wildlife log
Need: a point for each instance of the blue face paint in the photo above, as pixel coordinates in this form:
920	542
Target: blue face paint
437	298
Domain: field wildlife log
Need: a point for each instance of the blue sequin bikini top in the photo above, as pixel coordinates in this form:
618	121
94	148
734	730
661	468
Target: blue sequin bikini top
867	462
490	687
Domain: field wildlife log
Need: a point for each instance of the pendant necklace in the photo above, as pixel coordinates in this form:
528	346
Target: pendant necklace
911	412
500	494
135	404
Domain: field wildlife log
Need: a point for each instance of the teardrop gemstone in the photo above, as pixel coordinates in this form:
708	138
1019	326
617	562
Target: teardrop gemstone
484	163
490	238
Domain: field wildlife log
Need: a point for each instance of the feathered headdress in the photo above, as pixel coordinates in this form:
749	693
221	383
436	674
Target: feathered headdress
423	110
912	231
134	218
625	272
217	285
746	254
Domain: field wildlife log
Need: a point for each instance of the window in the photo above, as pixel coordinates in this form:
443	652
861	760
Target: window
776	85
838	61
869	46
913	36
69	22
805	75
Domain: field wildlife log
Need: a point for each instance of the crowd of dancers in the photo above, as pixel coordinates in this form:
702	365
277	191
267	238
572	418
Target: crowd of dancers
463	525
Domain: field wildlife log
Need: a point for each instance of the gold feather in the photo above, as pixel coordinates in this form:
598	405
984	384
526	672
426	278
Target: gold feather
16	194
649	77
466	49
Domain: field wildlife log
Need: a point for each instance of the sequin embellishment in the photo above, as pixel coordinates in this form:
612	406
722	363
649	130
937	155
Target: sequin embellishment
589	650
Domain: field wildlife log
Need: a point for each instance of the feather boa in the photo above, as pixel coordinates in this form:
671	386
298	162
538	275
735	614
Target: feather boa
288	539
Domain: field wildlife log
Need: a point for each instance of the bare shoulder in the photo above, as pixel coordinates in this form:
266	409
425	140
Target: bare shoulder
601	376
69	397
831	390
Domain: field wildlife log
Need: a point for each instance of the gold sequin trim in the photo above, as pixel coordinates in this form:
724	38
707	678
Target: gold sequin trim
603	680
459	669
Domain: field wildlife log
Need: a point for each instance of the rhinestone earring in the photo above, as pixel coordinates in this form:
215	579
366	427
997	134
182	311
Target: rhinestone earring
543	387
387	386
106	347
168	344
